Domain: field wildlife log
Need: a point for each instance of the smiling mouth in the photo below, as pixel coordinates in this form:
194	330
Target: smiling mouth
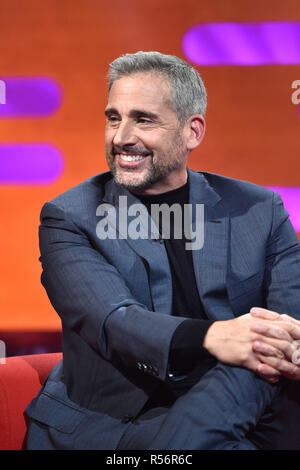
131	158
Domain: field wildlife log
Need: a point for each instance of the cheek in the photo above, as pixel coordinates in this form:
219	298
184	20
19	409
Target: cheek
108	136
151	137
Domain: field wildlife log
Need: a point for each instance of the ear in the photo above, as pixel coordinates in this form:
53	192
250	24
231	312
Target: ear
195	130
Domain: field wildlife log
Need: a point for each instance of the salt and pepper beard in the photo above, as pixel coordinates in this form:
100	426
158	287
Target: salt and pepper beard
157	171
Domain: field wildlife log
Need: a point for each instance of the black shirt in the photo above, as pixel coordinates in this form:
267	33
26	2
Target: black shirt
187	357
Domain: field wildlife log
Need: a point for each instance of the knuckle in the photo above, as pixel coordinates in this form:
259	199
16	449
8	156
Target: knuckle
287	349
245	357
277	363
282	334
285	366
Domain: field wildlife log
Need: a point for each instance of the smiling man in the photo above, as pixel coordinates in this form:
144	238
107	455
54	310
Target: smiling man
146	147
164	346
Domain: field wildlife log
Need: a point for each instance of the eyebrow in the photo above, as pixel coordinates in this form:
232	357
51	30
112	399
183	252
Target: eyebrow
134	113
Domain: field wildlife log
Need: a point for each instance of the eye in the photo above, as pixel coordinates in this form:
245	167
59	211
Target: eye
113	119
144	121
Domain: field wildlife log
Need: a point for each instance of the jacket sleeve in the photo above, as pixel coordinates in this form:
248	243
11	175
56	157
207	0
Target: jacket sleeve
93	300
282	274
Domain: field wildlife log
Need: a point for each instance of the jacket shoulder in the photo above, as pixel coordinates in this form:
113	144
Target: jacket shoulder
237	192
84	195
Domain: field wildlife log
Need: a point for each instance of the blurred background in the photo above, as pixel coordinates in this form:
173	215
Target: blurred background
54	58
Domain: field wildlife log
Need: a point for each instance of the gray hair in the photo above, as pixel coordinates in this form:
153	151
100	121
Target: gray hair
188	90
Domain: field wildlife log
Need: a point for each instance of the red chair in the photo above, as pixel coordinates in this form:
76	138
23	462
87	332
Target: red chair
21	378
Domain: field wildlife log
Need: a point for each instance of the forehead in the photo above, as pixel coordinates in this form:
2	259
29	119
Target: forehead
141	89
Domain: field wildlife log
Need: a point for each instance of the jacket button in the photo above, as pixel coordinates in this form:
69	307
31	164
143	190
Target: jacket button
126	419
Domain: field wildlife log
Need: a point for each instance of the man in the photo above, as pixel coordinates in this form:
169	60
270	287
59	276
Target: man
160	348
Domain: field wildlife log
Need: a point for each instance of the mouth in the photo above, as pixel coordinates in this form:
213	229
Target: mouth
131	160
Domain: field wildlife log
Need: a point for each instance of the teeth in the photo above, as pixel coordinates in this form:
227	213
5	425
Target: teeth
131	158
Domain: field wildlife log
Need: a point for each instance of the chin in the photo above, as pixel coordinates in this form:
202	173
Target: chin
132	185
131	181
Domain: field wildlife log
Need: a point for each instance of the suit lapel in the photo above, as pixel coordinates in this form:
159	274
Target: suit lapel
210	262
150	249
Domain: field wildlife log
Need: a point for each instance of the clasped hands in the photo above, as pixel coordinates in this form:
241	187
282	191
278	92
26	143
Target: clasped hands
261	340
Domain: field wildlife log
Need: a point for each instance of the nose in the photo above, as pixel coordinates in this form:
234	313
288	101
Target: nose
124	135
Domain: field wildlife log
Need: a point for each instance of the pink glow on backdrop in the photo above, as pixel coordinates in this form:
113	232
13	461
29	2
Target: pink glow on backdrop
291	201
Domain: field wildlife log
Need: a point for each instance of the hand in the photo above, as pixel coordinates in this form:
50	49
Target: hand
274	335
259	312
232	342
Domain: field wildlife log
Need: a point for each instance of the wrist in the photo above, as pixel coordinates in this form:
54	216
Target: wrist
209	342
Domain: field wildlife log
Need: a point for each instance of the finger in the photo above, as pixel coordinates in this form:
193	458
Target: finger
264	313
272	331
259	312
290	319
295	358
267	373
275	347
281	365
267	349
293	328
295	376
262	369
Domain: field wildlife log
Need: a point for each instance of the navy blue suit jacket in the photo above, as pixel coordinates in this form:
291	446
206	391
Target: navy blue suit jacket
114	296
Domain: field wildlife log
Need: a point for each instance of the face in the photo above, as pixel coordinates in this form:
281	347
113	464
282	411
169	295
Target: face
145	146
